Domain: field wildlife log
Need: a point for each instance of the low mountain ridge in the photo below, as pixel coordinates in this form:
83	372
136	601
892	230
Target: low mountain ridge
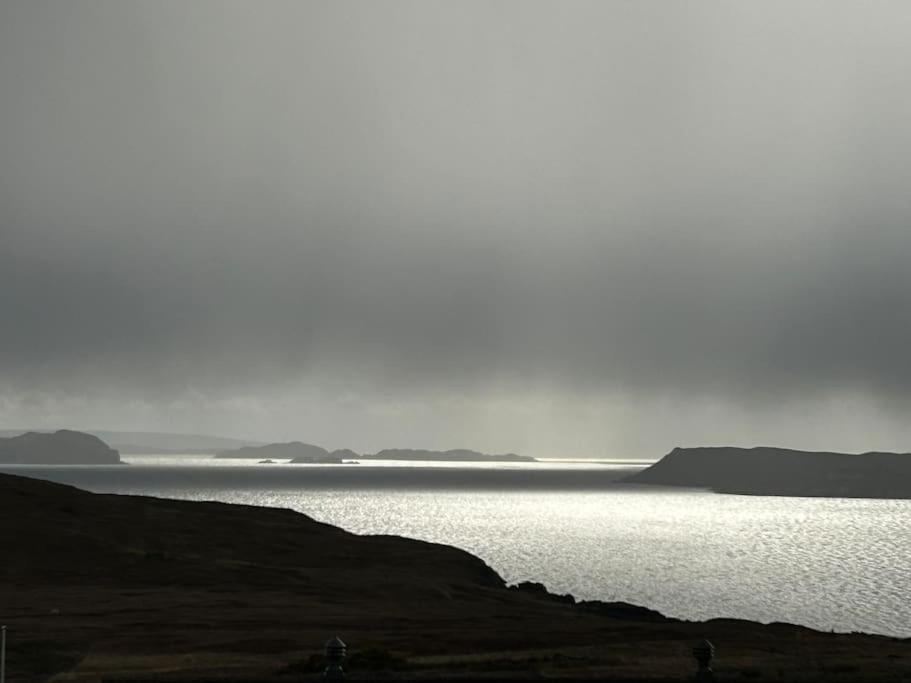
300	452
769	471
453	455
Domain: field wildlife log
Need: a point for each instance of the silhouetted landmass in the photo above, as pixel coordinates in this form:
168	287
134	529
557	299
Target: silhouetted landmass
156	443
136	449
768	471
455	455
63	447
109	586
338	457
277	451
307	453
328	459
296	452
345	454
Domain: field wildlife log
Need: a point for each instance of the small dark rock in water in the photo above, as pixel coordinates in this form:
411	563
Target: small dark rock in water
267	462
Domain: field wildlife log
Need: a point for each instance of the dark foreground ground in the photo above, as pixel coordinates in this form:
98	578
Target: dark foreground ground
97	587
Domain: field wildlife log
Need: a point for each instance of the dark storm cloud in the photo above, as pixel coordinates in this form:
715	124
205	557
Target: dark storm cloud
664	197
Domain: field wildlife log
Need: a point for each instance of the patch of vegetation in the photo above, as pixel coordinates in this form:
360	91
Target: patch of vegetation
41	658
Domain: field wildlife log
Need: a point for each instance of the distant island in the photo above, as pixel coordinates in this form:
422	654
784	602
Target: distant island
455	455
292	450
765	471
305	453
155	443
63	447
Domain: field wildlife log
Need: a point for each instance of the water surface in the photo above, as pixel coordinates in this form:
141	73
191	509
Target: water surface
839	564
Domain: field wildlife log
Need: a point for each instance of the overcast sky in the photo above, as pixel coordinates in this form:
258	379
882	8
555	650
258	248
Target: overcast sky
558	228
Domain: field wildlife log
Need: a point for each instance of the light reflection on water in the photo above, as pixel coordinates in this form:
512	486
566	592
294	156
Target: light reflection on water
541	464
838	564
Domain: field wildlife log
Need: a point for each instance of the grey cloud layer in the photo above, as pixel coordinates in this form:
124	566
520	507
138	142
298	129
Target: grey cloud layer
433	196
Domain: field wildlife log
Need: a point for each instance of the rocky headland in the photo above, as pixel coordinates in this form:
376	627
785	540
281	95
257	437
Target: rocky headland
63	447
766	471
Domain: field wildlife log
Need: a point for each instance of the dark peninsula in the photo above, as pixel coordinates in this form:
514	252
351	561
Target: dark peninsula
765	471
103	587
63	447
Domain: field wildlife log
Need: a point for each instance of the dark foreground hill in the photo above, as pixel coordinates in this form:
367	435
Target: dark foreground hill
783	472
63	447
103	586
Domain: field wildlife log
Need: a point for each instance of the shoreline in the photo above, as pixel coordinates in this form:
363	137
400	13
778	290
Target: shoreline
122	584
608	575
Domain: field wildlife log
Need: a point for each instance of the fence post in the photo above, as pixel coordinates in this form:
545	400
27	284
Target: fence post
335	655
703	652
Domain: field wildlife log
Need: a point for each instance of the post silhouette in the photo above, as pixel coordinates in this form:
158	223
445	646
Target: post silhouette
703	652
335	655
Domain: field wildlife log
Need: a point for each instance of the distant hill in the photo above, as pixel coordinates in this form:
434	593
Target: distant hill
455	455
299	452
139	443
345	454
769	471
63	447
278	451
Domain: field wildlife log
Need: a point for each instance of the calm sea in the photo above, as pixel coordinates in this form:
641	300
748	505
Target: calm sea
828	563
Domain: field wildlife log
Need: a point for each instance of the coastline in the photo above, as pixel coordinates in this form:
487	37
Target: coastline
143	591
784	472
